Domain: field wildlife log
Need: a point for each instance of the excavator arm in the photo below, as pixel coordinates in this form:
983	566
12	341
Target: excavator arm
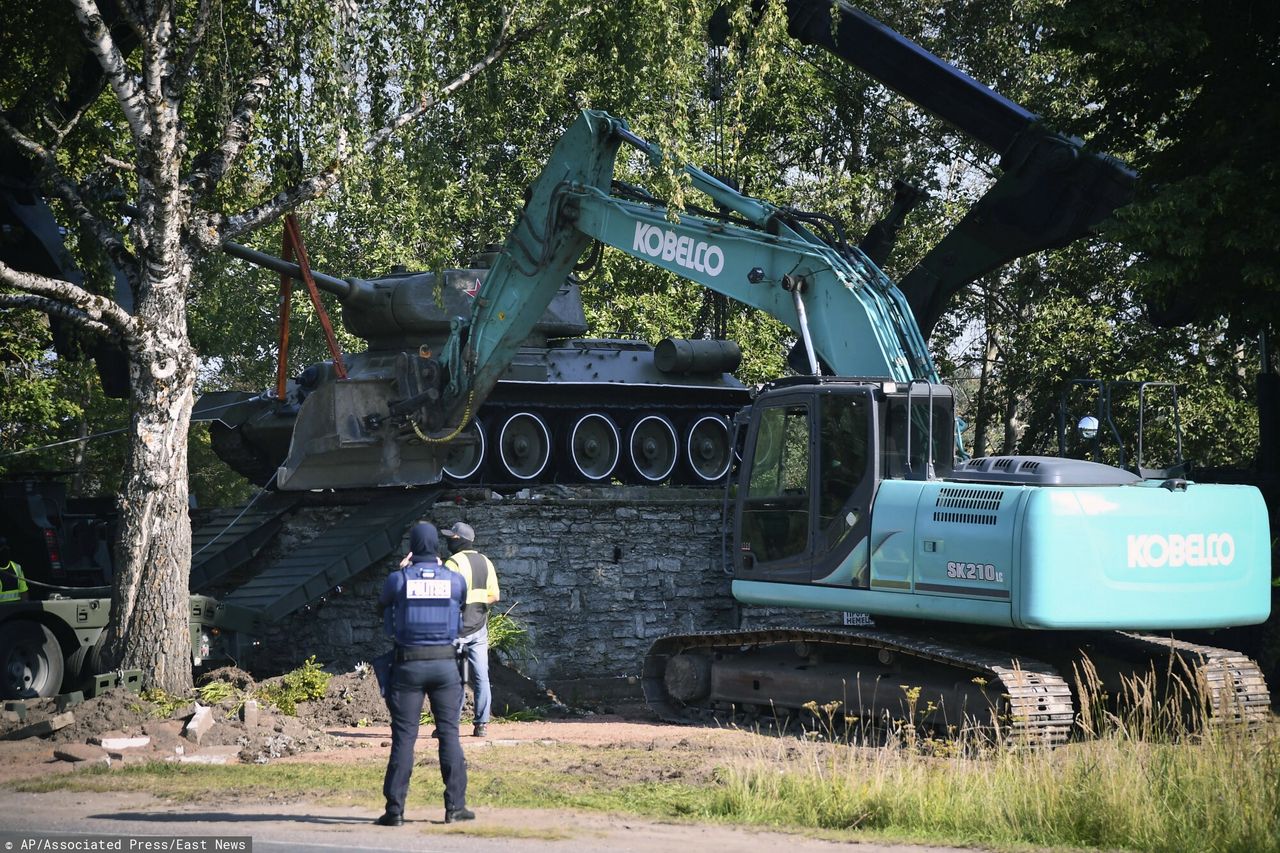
852	315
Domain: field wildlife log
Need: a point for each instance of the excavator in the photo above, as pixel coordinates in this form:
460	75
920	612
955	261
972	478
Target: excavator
851	494
990	579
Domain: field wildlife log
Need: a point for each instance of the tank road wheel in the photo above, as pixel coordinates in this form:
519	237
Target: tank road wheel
707	448
594	445
30	661
524	445
464	459
653	447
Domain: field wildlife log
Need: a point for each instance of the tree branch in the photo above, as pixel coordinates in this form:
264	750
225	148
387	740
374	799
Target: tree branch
62	311
210	166
280	204
318	184
60	133
96	308
113	66
182	76
64	189
157	68
428	101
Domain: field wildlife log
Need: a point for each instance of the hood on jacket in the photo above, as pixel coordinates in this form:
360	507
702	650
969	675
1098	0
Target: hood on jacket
424	541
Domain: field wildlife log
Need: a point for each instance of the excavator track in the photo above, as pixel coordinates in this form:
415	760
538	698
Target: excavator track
1237	689
1019	700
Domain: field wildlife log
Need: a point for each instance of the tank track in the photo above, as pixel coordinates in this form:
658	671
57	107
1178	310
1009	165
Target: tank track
1036	706
1237	688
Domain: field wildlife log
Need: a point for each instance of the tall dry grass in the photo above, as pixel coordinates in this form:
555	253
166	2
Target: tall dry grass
1150	772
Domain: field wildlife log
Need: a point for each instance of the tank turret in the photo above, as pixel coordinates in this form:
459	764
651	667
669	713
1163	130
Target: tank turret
409	310
567	409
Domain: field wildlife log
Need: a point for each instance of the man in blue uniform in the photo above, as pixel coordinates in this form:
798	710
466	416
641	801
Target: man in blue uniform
426	599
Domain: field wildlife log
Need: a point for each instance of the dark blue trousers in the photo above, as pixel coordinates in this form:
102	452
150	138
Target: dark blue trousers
411	683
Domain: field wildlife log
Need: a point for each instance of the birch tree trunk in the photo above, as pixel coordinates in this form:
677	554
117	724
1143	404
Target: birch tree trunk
149	604
149	55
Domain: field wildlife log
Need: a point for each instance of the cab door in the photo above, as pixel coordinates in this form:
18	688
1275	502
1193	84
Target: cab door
774	514
806	487
844	486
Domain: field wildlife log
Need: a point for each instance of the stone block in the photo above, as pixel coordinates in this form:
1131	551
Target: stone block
119	740
249	713
212	755
199	724
42	728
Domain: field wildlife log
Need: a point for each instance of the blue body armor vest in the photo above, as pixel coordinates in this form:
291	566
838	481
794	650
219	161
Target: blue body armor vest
427	607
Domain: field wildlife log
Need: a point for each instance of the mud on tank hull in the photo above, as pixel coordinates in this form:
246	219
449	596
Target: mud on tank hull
575	411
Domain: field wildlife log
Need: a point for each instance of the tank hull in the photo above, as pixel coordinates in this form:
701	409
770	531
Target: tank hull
524	434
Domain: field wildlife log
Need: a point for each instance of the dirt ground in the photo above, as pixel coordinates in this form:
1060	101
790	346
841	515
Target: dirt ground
342	725
349	724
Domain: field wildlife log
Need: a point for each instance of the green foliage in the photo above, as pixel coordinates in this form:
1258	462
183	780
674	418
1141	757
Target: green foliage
525	715
1186	92
45	400
164	705
507	635
303	684
217	692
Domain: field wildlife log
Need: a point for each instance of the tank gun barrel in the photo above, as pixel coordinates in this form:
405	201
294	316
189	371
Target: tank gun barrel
342	288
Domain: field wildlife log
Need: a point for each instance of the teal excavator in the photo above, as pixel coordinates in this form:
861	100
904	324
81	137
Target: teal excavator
851	495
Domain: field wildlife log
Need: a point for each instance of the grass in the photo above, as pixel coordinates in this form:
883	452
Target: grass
1152	777
1221	794
524	776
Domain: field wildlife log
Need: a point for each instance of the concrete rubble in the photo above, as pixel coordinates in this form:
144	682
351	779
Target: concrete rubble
199	724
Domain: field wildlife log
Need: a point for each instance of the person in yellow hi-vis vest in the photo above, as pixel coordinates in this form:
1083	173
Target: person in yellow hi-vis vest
473	637
13	583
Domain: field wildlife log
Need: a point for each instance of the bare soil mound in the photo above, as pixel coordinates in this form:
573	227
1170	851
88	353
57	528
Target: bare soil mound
351	700
241	717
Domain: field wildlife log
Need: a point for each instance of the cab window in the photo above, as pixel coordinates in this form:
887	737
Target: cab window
775	514
843	451
896	464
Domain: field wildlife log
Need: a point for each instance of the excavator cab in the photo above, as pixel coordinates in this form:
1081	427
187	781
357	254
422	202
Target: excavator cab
817	449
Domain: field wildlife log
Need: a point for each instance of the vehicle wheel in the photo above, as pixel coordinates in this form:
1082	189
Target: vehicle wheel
653	447
707	449
594	446
524	445
31	663
464	459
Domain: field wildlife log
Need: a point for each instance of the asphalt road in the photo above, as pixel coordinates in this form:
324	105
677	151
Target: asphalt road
144	824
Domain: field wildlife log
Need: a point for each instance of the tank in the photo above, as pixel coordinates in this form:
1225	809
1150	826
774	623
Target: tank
569	409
